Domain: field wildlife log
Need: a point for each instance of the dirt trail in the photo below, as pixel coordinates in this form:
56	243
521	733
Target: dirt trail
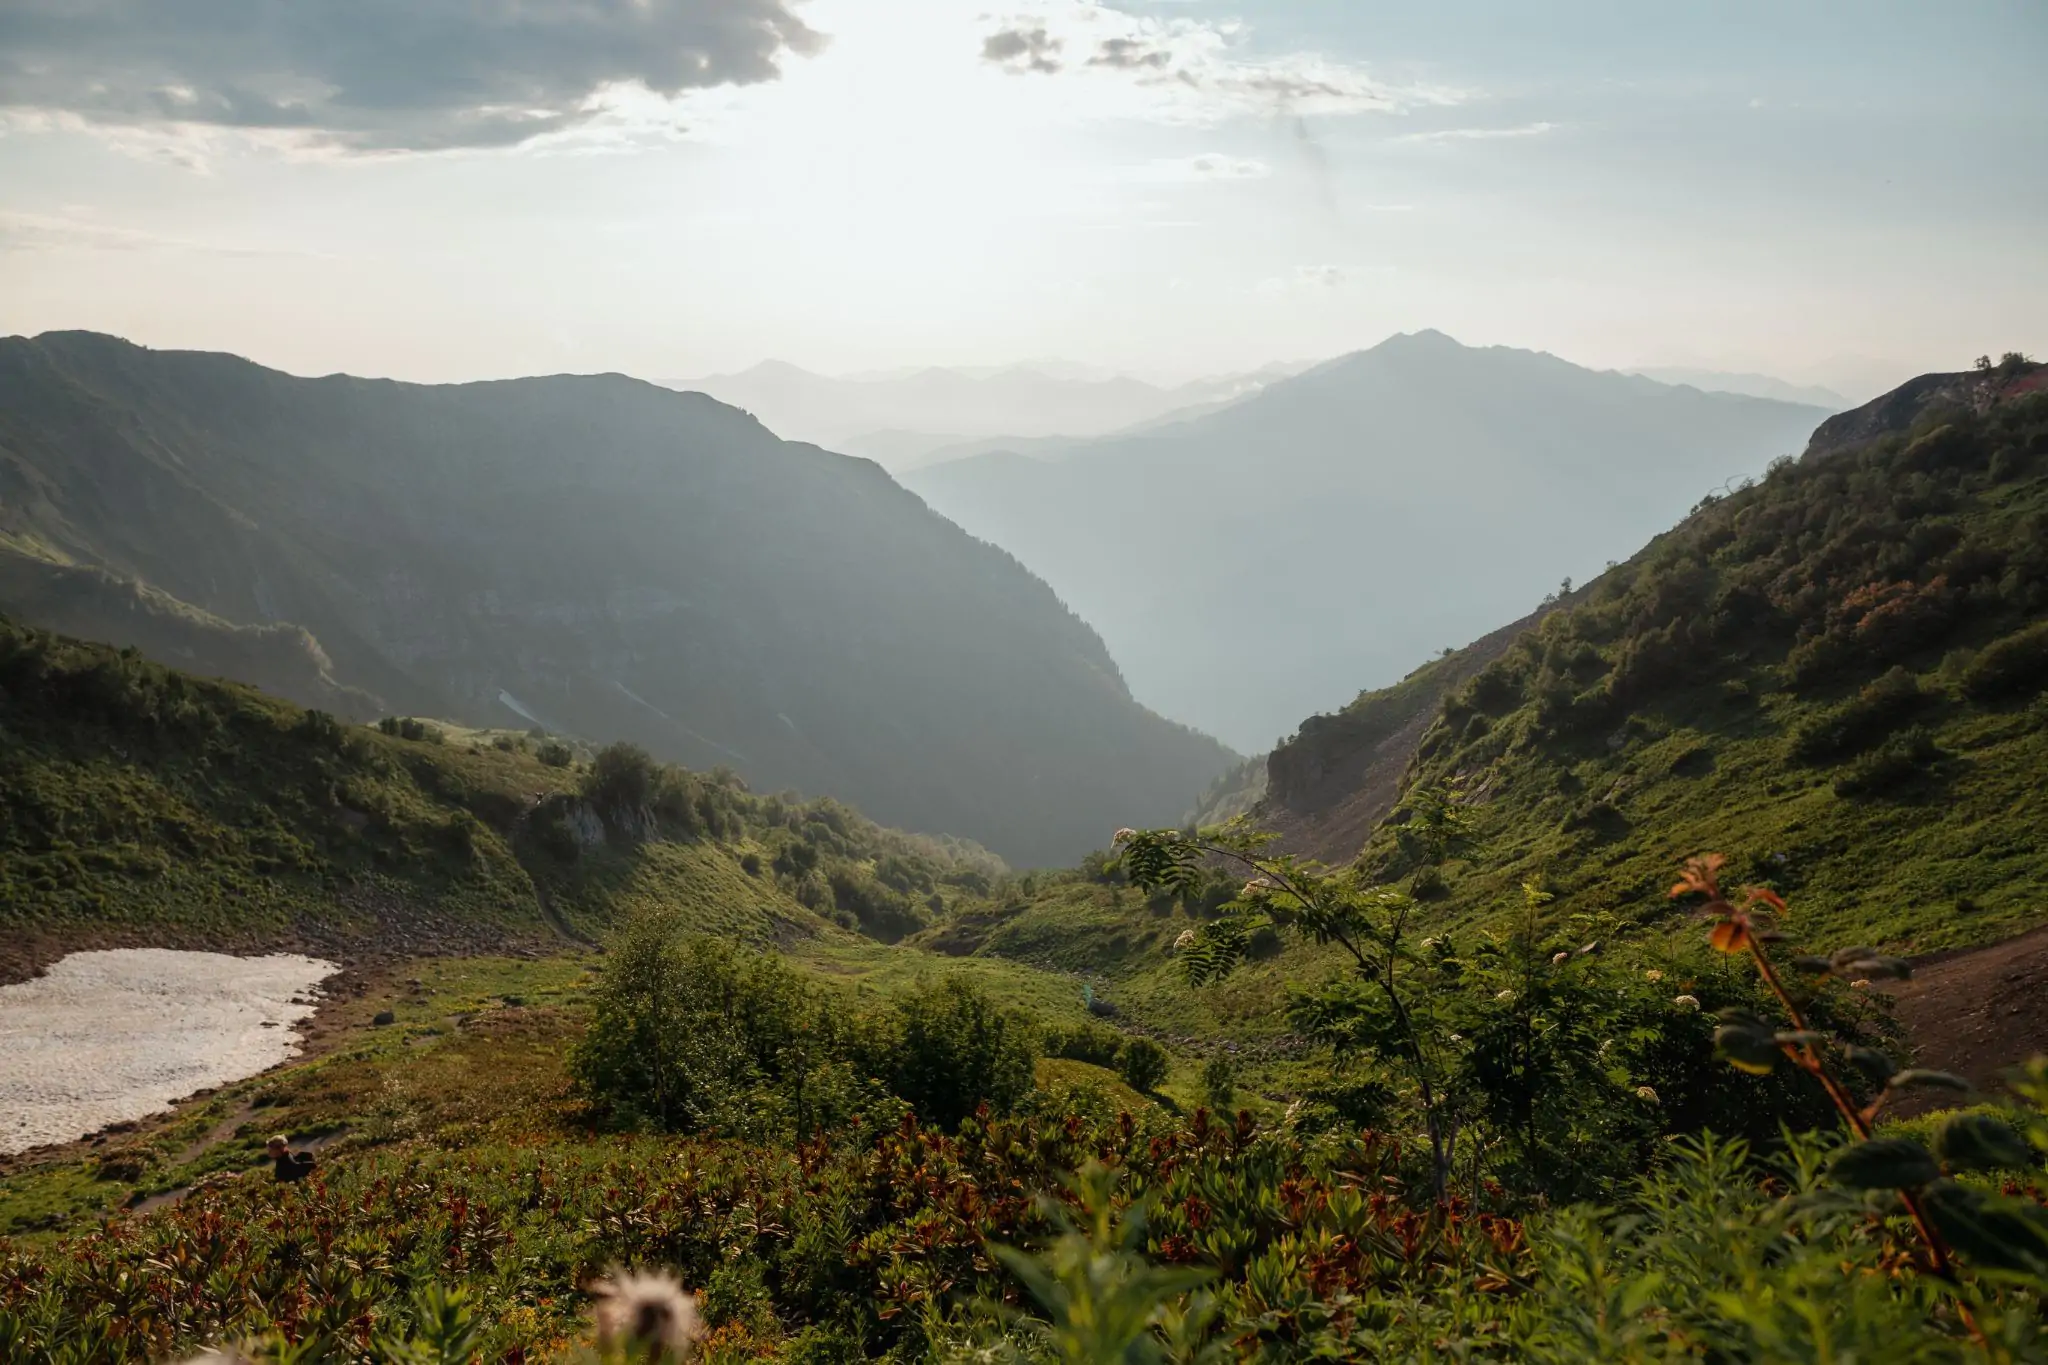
1981	1011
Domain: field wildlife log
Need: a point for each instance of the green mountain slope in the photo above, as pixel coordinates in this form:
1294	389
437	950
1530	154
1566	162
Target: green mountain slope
139	805
602	557
1835	676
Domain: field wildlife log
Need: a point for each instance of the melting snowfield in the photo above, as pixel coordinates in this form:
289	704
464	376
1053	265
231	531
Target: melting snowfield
109	1036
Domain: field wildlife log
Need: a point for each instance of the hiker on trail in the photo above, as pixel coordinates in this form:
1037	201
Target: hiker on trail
285	1163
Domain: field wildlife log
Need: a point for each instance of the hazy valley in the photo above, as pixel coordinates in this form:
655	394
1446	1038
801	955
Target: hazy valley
1085	682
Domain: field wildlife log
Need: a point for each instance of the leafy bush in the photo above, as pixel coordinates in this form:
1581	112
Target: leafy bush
622	781
1143	1064
2012	665
1894	764
555	754
1861	721
1219	1083
690	1034
1085	1043
947	1049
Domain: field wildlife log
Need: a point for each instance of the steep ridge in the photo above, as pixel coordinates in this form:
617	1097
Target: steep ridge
140	806
1836	676
1259	563
601	557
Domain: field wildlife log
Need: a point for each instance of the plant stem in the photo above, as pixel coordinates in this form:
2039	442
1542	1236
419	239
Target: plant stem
1809	1060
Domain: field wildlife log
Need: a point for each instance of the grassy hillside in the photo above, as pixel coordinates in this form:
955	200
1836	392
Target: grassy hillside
94	604
141	805
1835	676
598	556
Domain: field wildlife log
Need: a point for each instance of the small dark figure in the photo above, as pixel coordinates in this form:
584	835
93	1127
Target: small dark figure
285	1163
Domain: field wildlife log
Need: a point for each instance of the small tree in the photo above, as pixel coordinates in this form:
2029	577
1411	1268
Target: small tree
1143	1064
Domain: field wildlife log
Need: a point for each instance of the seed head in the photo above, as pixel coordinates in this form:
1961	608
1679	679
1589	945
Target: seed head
1185	941
1653	976
1643	1092
1558	959
1688	1003
645	1313
1124	836
1504	997
1255	888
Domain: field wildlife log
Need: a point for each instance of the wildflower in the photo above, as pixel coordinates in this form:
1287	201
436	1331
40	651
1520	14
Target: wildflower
1686	1002
1653	976
1860	984
1605	1043
1557	959
1643	1092
1185	941
1124	835
1255	888
643	1313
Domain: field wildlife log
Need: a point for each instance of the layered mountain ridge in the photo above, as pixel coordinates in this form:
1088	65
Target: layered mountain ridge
600	556
1256	564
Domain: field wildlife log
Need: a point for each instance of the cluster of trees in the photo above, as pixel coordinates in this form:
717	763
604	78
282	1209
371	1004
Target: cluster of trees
690	1034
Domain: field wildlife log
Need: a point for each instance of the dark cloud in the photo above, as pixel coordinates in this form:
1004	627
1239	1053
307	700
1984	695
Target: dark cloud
1023	49
374	75
1131	54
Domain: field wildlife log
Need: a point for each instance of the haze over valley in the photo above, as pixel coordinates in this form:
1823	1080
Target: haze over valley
1071	681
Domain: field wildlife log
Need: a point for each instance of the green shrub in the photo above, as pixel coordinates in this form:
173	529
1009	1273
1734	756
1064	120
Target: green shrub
1143	1064
947	1049
1219	1083
1897	762
1084	1043
1861	721
622	782
2012	665
555	754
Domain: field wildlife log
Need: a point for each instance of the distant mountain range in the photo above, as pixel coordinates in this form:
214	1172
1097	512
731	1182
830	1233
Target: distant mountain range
1754	385
590	554
903	419
1260	562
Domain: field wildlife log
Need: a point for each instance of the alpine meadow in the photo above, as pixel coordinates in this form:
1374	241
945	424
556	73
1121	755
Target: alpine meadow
1357	683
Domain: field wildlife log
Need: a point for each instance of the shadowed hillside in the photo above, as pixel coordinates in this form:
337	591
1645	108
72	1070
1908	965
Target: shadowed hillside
601	557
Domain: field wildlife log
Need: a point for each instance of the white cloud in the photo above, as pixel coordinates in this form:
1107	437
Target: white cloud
1478	134
1185	70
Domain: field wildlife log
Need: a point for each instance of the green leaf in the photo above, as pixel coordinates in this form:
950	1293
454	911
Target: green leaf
1884	1164
1981	1142
1914	1076
1746	1049
1998	1234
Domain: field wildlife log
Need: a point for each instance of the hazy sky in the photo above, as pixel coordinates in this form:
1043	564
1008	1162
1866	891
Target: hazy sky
442	189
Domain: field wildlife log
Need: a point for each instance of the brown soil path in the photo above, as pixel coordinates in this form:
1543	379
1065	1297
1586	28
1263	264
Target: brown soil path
1981	1011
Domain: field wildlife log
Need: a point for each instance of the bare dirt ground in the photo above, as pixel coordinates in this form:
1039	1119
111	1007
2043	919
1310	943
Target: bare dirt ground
1980	1011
